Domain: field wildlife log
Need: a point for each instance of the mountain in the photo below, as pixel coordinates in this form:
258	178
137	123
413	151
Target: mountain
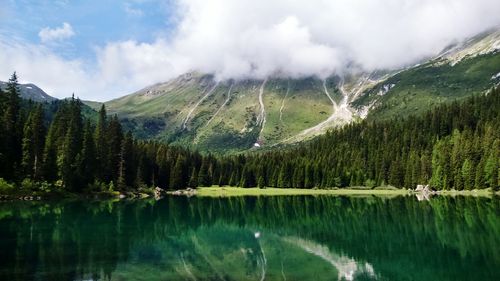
196	110
31	92
460	71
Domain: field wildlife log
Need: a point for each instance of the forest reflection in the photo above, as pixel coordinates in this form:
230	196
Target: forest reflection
252	238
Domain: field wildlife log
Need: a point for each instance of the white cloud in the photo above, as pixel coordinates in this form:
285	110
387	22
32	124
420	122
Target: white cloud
258	38
56	34
317	36
37	64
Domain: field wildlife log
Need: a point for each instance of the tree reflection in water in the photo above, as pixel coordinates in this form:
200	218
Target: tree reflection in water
252	238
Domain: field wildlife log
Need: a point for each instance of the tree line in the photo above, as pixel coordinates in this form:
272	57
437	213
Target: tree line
454	145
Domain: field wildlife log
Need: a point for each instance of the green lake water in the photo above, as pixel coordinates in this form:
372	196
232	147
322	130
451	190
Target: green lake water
252	238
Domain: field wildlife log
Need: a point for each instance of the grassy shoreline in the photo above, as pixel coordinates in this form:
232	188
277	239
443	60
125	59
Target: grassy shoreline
237	191
216	191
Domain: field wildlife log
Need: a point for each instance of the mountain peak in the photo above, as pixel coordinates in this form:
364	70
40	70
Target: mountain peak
31	92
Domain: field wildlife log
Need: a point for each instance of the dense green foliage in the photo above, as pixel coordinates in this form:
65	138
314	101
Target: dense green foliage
454	146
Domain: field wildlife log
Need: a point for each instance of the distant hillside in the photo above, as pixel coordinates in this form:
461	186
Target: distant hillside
93	104
31	92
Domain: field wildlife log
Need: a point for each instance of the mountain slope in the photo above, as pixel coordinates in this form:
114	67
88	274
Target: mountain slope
459	72
31	92
420	88
196	110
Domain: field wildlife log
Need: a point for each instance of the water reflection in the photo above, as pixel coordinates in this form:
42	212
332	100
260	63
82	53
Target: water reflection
347	267
255	238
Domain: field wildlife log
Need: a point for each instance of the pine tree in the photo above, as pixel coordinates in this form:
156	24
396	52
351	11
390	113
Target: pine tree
479	176
71	147
285	176
193	179
467	175
50	168
396	174
125	175
88	163
101	145
203	175
438	167
33	144
247	177
141	174
491	171
178	179
11	130
309	177
114	137
235	177
261	182
67	161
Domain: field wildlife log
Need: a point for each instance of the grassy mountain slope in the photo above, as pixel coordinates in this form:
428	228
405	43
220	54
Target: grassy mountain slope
228	115
462	70
420	88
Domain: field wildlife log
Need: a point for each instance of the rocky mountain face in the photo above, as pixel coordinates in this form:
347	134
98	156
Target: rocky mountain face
197	110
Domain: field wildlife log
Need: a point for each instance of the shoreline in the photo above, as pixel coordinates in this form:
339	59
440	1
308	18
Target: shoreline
49	196
237	191
216	191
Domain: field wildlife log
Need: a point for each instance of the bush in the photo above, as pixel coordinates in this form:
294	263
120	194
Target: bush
111	187
29	185
6	187
59	185
45	186
146	190
370	183
97	186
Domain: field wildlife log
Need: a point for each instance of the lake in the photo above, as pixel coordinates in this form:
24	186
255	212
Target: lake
252	238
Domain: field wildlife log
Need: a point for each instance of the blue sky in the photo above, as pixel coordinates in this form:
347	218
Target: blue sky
95	22
104	49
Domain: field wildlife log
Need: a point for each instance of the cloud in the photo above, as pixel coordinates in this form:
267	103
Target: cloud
314	37
37	64
56	34
258	38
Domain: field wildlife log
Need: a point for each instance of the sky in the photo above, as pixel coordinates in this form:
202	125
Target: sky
104	49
